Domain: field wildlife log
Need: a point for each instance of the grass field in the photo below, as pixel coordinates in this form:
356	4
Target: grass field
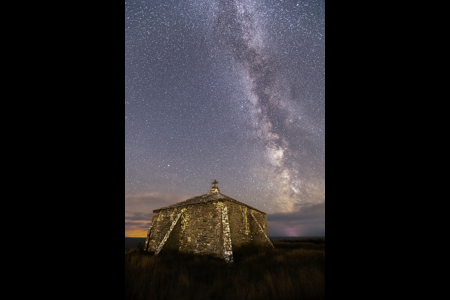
293	270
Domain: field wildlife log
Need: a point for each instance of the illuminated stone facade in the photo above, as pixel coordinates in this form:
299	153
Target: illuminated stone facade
210	224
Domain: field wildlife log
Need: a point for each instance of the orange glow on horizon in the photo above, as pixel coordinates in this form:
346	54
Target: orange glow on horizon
138	233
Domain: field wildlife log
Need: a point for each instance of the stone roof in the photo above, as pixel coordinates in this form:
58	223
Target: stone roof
206	198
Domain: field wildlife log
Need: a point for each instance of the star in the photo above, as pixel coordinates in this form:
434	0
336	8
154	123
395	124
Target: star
232	90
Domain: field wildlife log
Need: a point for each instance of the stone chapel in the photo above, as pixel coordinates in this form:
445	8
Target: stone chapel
212	224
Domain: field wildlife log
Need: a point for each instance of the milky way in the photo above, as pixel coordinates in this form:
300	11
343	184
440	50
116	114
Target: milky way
286	146
226	90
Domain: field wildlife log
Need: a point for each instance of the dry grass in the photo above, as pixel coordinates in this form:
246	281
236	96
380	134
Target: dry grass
293	270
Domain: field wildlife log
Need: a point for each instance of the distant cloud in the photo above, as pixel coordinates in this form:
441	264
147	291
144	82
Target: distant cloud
308	221
139	210
151	201
137	216
137	224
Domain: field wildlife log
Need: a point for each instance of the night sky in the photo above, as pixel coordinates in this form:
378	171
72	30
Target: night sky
226	90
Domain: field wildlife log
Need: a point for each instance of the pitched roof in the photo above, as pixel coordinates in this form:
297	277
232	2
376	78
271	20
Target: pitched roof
206	198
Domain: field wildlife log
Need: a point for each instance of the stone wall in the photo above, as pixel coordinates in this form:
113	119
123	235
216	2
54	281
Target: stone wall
198	230
244	229
161	222
259	230
201	229
214	227
152	242
239	224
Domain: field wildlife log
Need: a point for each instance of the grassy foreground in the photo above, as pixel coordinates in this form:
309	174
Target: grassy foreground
293	270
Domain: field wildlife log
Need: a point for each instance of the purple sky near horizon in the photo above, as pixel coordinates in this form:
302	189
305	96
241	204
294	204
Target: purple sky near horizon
229	90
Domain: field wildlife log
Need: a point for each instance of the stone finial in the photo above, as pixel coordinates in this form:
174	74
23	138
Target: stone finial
215	189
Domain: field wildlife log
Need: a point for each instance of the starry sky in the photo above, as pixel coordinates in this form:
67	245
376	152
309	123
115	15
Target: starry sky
232	90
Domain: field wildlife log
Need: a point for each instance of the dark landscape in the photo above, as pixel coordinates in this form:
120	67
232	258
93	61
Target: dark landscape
294	269
131	243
